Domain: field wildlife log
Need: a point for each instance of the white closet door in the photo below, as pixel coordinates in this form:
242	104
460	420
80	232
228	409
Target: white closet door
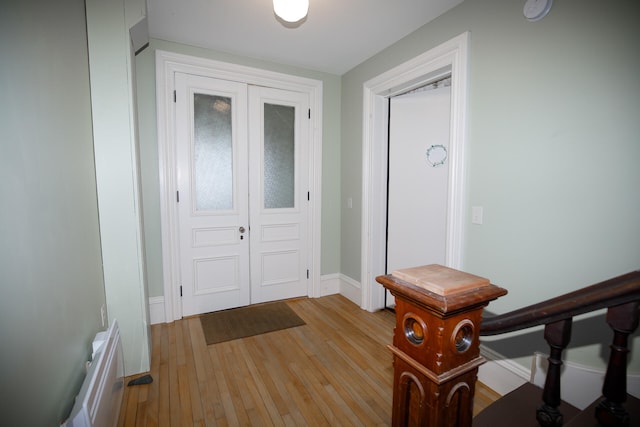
418	191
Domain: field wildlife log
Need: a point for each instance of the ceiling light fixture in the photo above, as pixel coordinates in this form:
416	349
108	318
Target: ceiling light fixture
291	10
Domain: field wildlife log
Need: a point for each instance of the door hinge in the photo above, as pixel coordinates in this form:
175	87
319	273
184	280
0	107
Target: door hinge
307	273
309	112
181	290
177	197
308	196
174	96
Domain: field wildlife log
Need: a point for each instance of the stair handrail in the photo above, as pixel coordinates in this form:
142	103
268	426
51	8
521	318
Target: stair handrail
609	293
621	296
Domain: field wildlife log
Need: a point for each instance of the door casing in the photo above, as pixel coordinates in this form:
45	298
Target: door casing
167	64
449	57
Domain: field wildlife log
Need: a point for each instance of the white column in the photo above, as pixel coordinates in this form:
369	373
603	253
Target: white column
115	142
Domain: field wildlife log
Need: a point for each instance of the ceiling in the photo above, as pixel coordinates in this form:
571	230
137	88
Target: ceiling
336	35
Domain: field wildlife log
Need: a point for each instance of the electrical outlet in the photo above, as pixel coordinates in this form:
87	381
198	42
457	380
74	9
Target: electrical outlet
103	315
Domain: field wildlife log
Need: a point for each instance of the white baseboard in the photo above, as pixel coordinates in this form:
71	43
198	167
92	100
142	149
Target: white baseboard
329	284
156	310
501	374
585	382
351	289
581	385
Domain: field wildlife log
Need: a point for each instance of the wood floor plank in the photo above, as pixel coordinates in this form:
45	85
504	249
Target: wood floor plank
154	388
184	393
270	374
275	371
123	408
197	414
326	329
241	373
175	411
203	372
335	370
342	384
141	414
218	360
292	355
164	411
332	414
259	390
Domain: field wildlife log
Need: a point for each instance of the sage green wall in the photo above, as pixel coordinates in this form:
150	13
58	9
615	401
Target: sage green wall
50	260
145	68
554	145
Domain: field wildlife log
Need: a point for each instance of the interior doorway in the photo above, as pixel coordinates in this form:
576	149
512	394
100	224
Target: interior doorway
418	169
449	58
242	193
272	90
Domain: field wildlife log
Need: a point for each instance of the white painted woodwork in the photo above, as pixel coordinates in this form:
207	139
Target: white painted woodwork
112	70
167	65
214	260
279	245
449	57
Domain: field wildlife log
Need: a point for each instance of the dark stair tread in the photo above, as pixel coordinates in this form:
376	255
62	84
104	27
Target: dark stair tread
587	417
519	408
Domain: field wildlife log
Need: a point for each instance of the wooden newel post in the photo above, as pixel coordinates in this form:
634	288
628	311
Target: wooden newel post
436	343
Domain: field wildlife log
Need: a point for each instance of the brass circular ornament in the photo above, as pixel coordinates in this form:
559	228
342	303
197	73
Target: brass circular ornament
415	329
462	336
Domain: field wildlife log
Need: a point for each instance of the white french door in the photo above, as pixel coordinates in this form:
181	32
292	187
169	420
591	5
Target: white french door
278	188
212	164
241	178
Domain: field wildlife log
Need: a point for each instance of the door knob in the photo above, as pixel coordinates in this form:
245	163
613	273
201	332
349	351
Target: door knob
241	229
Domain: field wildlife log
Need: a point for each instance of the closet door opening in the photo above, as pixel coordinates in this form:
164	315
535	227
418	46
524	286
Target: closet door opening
418	177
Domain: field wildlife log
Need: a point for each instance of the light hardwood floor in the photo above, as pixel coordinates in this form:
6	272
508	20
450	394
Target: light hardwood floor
335	370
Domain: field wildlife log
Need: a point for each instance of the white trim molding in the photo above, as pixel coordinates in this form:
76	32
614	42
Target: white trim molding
156	310
167	64
351	289
330	284
448	58
501	374
581	384
338	283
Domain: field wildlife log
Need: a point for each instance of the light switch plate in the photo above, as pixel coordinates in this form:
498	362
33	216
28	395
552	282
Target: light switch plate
476	214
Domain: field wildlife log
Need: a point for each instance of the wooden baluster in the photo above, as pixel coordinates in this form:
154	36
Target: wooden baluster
557	334
623	319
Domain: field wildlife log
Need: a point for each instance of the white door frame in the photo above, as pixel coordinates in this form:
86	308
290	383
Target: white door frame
167	64
449	57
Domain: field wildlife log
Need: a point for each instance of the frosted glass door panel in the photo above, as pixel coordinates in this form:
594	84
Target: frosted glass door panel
212	152
279	156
